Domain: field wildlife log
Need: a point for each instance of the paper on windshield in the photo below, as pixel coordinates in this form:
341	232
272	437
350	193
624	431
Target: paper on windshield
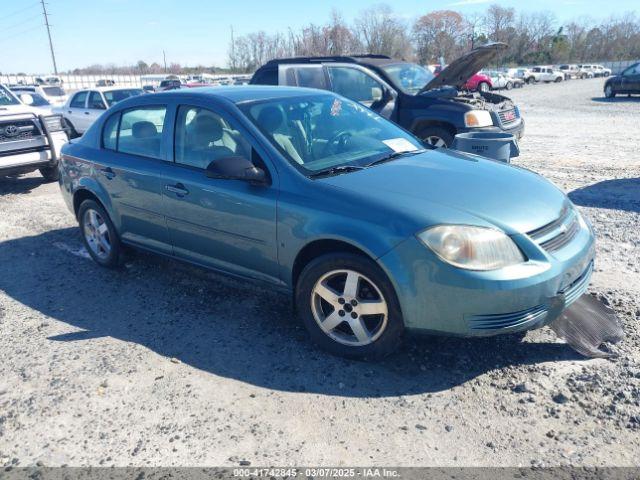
400	145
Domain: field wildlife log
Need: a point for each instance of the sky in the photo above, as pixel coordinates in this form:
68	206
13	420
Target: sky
193	32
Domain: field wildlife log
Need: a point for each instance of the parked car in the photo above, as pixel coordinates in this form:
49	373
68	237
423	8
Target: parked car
432	107
570	71
105	82
296	188
628	82
53	80
30	138
85	106
600	71
33	100
170	84
525	75
547	74
480	82
588	70
501	80
53	94
148	88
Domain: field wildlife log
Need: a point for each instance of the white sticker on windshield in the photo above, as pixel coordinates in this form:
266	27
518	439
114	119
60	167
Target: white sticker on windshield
400	145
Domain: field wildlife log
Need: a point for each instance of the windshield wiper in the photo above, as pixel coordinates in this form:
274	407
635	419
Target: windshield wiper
393	156
336	170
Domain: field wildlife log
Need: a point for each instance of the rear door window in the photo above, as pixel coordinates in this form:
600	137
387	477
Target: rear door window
310	76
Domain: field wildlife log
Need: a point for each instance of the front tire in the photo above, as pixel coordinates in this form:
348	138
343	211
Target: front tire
484	87
99	235
349	307
50	174
509	86
608	91
437	137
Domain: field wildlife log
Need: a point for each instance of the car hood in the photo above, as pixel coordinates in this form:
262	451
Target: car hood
425	185
463	68
17	109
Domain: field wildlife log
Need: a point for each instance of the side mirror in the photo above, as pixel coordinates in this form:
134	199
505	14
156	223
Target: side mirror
376	94
236	167
26	98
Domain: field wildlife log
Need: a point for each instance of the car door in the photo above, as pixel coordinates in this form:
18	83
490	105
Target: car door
630	79
224	224
95	107
75	111
130	166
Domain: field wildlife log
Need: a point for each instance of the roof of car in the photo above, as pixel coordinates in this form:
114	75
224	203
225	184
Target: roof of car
243	93
369	59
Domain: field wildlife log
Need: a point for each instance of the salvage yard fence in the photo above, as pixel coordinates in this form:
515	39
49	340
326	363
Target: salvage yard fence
75	82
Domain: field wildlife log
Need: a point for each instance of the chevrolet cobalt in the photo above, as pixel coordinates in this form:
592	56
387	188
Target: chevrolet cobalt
372	233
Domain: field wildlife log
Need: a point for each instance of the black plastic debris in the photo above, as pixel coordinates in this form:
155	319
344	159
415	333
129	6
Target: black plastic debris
586	325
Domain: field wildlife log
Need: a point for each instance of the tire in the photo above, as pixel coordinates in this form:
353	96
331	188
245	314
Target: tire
609	92
106	254
558	80
484	87
71	130
531	80
50	174
509	86
378	334
437	137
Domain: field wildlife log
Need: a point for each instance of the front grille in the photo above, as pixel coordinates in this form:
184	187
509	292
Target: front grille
12	131
555	235
578	287
508	320
509	116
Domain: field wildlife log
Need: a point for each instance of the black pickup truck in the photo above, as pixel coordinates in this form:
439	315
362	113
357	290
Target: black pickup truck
435	108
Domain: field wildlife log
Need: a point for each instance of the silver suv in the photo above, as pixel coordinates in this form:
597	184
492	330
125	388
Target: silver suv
30	138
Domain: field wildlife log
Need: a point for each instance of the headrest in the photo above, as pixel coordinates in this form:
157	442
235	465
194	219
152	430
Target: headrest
206	125
270	118
144	129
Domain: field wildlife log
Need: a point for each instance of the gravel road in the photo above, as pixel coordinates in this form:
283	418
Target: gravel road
165	364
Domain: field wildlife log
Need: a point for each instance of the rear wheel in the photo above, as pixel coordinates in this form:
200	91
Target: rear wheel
531	80
437	137
50	174
99	235
509	86
71	131
349	306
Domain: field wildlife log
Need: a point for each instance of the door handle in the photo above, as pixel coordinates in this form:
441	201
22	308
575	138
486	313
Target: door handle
178	189
108	172
69	111
86	113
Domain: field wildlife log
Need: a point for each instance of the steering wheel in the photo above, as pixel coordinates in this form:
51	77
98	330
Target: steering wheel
338	142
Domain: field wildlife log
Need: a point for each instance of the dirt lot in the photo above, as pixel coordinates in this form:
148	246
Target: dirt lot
164	364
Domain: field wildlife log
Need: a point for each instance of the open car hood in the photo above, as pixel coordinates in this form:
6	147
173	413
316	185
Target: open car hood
463	68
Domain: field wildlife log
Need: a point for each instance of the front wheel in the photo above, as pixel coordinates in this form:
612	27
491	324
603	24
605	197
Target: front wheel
349	306
608	91
558	79
437	137
509	86
531	80
99	235
484	87
50	174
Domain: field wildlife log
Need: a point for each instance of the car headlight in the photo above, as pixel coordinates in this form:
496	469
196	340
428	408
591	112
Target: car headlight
478	118
472	248
53	123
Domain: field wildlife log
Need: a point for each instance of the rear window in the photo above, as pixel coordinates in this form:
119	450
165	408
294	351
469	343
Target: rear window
140	131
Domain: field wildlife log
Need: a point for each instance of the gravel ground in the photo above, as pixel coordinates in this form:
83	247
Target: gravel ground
164	364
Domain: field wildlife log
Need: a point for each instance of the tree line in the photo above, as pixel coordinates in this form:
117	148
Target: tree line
533	38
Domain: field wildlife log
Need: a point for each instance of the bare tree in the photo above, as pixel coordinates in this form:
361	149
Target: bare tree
381	32
442	33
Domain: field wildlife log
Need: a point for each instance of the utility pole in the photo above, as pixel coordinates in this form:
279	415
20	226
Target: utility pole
233	52
46	22
164	58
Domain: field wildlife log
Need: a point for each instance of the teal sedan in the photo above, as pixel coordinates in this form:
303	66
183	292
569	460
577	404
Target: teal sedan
373	233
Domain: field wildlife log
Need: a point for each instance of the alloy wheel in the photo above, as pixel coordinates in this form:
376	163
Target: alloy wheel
435	141
96	233
349	308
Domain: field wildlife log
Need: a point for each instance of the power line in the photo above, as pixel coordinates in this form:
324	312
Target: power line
4	17
17	34
19	24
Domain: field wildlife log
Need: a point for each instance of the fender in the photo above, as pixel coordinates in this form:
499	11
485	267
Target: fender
91	185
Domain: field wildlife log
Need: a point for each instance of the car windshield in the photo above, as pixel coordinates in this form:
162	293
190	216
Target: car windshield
54	91
321	132
409	77
6	98
115	96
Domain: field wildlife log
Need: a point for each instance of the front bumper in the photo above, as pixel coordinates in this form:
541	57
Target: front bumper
438	298
517	130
